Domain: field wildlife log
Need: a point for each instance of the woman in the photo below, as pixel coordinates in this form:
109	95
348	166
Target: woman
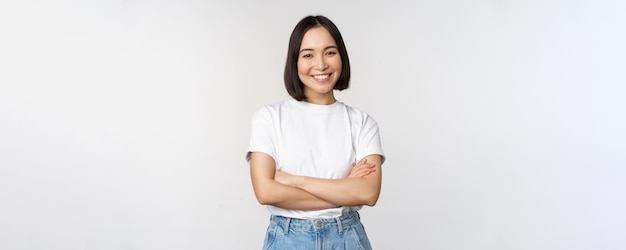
315	161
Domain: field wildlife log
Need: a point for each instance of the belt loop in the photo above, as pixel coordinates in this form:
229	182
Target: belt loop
339	224
287	225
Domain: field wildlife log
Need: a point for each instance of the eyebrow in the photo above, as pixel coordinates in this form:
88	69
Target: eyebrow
327	47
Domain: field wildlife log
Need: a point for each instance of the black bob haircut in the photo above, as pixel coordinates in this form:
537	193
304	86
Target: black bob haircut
294	86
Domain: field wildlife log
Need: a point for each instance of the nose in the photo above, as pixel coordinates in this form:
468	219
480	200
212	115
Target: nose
320	63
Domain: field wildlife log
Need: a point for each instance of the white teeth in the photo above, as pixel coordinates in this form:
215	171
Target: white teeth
321	77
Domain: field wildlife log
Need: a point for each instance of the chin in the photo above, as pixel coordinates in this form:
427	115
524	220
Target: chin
325	90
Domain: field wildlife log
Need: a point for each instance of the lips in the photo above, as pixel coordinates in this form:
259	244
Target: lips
321	77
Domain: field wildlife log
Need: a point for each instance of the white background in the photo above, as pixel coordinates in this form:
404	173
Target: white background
123	124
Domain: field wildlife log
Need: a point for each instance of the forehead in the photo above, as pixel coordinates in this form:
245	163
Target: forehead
317	37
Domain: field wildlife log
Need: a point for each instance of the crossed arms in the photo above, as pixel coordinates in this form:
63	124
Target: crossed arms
277	188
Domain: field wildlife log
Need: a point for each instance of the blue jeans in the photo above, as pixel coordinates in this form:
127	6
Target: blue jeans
345	232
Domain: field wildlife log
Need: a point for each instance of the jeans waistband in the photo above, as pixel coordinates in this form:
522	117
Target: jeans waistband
315	225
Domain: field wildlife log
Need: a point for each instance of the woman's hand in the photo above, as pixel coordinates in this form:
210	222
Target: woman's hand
361	169
360	187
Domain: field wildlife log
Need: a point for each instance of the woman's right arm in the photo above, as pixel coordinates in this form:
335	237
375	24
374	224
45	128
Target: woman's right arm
270	192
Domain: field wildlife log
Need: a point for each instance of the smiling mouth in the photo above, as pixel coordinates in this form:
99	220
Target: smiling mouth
321	77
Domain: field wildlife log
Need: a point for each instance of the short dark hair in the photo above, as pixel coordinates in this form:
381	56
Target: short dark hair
292	81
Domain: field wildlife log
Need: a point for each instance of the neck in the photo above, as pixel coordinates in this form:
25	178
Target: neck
321	99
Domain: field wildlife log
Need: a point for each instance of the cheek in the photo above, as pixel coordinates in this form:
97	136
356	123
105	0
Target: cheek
302	68
338	67
336	63
302	71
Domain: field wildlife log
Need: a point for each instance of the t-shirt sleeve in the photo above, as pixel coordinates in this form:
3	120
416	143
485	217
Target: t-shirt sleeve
262	134
369	140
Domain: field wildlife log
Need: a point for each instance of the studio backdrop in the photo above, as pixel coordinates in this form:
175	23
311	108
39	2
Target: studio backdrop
124	124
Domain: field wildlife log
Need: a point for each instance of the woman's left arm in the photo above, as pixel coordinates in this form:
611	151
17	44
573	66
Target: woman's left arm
349	191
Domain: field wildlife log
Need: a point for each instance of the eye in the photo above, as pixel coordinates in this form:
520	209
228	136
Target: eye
307	56
331	53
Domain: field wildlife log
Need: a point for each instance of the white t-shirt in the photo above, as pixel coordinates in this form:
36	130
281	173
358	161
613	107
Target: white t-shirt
321	141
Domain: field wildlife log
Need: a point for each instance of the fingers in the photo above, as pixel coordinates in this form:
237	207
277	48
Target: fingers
364	164
361	169
360	162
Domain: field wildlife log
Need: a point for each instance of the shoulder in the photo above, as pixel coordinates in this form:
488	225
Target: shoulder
273	110
356	114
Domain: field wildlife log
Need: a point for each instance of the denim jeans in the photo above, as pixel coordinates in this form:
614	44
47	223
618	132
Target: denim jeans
345	232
